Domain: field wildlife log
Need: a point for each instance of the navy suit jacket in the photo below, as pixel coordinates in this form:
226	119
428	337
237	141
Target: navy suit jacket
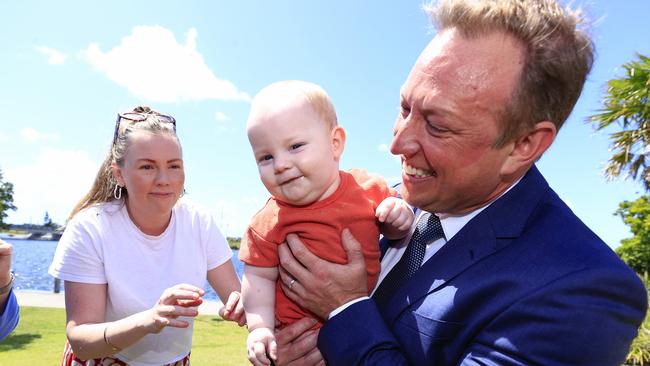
525	282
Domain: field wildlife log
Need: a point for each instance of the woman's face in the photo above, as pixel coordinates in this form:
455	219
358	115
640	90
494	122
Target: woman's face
152	173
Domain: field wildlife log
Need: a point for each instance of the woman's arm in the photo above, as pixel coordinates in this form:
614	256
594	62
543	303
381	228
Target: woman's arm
225	282
90	336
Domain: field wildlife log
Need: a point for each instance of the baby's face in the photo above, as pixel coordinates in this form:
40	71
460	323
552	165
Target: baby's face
296	152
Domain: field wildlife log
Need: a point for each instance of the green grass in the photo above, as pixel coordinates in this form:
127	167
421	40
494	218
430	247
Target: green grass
40	337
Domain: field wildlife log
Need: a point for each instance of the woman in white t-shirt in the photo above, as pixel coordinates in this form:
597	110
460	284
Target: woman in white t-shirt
134	257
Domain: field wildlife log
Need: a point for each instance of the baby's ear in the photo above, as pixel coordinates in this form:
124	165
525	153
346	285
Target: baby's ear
338	142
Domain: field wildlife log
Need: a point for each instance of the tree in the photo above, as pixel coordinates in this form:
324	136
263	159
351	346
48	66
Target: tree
6	200
47	222
635	251
626	104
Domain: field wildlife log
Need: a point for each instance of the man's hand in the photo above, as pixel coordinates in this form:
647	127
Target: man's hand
297	344
318	285
6	251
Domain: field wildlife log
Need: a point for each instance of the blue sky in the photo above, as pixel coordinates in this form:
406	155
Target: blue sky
69	66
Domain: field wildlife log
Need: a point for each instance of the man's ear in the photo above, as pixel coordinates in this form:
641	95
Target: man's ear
528	148
117	173
338	141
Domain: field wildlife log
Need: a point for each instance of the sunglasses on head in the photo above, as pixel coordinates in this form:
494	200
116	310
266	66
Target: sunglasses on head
139	117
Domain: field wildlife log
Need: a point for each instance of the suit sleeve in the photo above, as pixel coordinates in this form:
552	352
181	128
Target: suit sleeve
9	317
359	336
586	318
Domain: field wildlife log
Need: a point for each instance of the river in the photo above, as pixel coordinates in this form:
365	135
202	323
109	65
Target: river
32	258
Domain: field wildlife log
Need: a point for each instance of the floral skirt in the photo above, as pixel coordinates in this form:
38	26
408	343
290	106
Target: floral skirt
69	359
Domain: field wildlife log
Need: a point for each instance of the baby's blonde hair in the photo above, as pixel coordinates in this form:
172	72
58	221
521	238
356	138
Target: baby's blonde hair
313	93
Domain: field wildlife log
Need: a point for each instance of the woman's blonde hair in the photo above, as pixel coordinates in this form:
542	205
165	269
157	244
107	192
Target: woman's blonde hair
103	188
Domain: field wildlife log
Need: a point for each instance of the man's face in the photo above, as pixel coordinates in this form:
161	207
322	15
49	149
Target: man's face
448	123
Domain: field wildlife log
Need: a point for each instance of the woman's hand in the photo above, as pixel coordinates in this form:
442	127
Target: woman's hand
233	309
178	301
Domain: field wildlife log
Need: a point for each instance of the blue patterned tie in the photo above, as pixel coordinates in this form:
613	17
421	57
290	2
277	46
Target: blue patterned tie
428	230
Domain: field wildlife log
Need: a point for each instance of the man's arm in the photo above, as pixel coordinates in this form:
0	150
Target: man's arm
9	316
357	334
321	286
8	304
587	318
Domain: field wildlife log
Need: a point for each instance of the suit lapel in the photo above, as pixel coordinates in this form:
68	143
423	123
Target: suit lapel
487	233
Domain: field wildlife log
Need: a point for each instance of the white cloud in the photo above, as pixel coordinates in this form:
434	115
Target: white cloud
386	148
32	135
54	182
152	65
221	117
54	57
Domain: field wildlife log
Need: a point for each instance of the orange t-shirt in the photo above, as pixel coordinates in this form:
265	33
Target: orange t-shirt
319	226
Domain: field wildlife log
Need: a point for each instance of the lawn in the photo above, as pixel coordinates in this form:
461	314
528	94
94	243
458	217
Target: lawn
40	336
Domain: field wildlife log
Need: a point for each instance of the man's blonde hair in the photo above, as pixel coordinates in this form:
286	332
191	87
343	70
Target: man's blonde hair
313	93
559	54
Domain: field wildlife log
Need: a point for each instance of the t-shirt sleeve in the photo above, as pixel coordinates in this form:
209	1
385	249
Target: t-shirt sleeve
374	185
78	256
257	251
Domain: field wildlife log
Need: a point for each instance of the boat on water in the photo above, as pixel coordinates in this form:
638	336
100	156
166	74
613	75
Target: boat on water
14	236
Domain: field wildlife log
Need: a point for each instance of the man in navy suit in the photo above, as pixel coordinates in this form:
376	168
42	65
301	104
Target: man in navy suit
514	278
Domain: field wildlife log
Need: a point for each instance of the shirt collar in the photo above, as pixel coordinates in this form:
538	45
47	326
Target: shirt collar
452	224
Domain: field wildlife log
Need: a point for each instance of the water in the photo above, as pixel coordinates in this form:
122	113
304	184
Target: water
32	258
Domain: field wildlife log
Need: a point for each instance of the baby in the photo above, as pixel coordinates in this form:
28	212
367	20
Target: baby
297	143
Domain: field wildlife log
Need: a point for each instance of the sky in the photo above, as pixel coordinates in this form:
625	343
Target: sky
69	66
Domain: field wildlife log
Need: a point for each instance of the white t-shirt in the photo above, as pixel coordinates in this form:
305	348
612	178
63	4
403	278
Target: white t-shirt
101	245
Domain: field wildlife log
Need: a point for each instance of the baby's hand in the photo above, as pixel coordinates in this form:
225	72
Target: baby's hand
396	216
233	309
261	346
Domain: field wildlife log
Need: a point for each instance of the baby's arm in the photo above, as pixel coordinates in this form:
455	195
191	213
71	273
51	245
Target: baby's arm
258	295
395	216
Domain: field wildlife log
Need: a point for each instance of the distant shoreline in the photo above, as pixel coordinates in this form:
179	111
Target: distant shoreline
46	299
233	243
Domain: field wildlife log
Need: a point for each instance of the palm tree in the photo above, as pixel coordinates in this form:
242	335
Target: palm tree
626	104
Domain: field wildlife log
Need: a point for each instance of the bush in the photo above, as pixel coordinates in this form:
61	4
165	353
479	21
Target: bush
640	349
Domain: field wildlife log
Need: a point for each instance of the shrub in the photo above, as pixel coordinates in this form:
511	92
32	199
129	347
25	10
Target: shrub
640	349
